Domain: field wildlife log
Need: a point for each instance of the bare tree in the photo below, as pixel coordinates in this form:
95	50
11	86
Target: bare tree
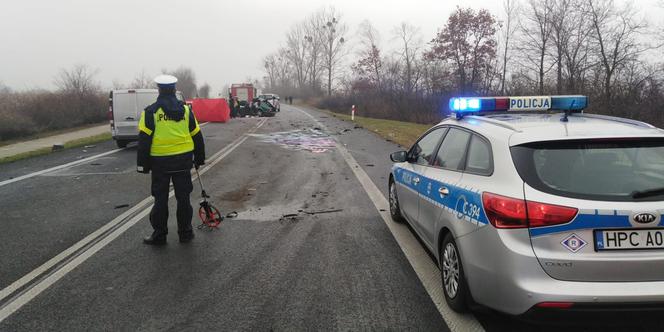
296	52
186	81
468	43
616	35
536	32
315	26
79	79
284	70
509	28
576	48
270	66
118	85
204	91
334	42
142	81
4	90
410	38
369	64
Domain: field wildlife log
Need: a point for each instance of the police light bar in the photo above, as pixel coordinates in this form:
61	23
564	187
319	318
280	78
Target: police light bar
466	105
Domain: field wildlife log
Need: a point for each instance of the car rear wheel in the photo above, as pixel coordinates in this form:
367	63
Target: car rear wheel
454	280
395	209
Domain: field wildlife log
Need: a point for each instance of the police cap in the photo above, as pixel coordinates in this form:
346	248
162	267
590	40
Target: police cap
165	81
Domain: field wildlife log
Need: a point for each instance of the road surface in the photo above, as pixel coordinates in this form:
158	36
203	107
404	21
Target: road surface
310	248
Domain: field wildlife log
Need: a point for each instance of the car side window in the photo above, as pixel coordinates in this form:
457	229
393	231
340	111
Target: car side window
479	157
453	150
423	151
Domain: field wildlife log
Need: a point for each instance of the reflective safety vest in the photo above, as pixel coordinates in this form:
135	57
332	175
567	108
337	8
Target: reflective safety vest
169	137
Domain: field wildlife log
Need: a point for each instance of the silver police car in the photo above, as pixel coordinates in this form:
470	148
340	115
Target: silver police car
537	211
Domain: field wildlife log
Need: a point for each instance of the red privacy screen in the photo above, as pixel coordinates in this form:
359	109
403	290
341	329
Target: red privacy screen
210	110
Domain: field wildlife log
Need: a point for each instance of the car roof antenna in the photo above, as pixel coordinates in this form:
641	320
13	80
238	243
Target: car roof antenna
567	112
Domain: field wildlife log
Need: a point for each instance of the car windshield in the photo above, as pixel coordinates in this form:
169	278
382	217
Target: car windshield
614	170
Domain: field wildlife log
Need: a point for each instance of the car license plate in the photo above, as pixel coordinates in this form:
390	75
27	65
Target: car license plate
626	239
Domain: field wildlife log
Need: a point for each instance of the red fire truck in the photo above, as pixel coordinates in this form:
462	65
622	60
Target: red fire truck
244	91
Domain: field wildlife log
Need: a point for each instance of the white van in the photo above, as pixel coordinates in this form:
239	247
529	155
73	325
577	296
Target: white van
124	111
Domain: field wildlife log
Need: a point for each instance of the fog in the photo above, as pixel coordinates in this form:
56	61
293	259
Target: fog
222	41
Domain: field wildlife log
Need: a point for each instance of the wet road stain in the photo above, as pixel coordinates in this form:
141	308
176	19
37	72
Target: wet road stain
311	140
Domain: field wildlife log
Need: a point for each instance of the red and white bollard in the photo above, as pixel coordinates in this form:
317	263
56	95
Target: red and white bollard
352	113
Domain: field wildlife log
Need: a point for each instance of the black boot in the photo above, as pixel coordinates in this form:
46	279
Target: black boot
186	237
155	240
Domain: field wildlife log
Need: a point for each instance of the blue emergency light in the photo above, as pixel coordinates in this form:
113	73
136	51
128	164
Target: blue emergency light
467	105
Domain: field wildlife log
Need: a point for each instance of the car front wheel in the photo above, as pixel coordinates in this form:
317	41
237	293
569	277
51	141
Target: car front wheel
454	280
395	209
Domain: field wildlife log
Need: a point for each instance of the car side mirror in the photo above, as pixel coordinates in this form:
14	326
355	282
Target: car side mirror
399	156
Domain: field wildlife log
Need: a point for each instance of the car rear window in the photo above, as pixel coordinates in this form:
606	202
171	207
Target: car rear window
612	170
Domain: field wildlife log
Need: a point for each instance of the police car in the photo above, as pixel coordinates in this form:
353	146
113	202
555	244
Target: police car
531	205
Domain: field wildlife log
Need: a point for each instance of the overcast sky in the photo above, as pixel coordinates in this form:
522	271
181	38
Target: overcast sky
222	41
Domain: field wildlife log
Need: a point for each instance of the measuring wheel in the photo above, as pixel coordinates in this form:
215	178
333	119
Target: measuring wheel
210	215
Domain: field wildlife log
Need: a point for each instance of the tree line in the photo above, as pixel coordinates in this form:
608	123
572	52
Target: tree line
600	48
78	100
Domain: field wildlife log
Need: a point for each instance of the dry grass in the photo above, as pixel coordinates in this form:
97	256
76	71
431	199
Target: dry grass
49	133
68	145
27	113
402	133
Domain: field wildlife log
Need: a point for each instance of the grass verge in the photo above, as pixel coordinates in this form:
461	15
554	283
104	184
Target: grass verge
49	133
400	132
68	145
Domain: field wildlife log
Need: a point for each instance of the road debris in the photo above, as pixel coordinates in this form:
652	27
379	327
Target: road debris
289	218
121	206
232	214
58	147
306	139
323	211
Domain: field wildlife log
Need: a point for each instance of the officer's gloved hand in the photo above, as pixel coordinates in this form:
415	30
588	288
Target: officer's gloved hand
142	169
198	163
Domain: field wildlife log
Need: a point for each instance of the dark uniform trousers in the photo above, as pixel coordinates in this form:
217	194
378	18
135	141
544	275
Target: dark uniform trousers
176	168
160	187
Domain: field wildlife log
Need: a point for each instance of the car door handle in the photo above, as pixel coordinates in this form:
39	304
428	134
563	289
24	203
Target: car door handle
443	191
416	180
129	118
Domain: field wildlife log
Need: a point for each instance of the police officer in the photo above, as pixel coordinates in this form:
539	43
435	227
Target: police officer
169	141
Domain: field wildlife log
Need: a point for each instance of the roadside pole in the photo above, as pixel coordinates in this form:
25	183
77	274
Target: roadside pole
352	113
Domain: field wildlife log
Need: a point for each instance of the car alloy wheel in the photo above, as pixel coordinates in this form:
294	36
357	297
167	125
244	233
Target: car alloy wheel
451	270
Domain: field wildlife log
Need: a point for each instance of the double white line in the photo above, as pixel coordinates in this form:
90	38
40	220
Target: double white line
41	278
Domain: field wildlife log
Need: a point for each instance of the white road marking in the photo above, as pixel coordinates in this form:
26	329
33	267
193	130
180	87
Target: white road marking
24	298
56	168
63	166
419	259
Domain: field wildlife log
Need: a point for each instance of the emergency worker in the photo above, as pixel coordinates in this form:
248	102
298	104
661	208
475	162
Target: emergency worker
170	142
236	107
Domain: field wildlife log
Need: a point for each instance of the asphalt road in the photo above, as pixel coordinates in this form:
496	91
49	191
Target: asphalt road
307	251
